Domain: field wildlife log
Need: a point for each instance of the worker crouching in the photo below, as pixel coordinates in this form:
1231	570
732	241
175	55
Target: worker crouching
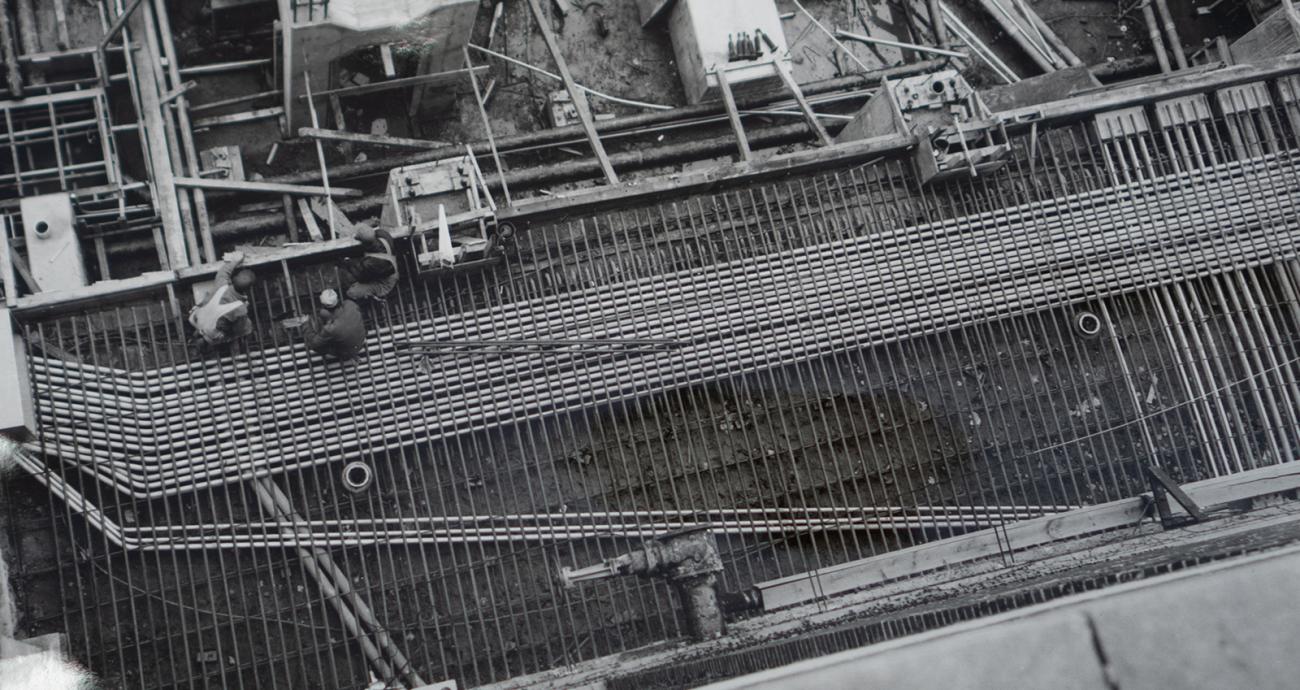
342	331
374	275
223	316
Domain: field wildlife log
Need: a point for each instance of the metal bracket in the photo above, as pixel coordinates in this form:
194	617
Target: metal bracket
1163	486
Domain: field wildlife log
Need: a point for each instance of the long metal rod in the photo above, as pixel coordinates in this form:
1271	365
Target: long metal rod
899	44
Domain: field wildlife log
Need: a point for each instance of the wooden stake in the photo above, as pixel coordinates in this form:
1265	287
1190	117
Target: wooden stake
808	113
729	100
320	156
578	95
20	265
487	127
309	218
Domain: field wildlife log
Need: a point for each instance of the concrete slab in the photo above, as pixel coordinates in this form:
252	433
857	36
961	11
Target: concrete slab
1031	653
1230	625
1236	630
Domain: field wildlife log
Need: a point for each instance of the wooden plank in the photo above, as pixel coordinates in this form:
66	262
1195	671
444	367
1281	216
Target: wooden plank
232	101
268	187
96	294
340	123
435	79
117	24
237	118
808	113
61	24
733	114
55	98
190	158
220	67
846	577
175	234
7	274
290	218
309	219
702	181
578	95
386	57
376	139
652	11
480	100
320	155
178	92
20	265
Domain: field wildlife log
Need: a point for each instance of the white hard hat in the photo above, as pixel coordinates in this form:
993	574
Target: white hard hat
329	298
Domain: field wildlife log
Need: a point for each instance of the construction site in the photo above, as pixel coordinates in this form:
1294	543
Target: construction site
437	344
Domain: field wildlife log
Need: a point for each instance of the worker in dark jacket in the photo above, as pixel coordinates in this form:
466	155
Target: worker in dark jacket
374	275
342	331
223	316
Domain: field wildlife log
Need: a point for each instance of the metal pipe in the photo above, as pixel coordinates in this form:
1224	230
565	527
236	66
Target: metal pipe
938	24
1171	32
977	46
1017	34
1153	34
330	593
899	44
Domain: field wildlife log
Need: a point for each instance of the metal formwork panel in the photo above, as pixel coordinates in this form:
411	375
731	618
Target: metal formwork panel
1185	125
1244	98
1247	111
1126	122
1288	91
1183	111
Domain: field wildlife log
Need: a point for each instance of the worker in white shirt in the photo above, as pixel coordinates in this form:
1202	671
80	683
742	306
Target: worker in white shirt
223	316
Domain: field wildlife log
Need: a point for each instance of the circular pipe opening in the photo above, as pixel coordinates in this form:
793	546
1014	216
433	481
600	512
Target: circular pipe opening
1088	324
937	86
940	144
357	477
42	229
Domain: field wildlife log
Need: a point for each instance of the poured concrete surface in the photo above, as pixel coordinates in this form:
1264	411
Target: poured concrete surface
1231	625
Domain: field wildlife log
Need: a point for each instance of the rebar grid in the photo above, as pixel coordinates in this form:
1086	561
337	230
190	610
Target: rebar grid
985	403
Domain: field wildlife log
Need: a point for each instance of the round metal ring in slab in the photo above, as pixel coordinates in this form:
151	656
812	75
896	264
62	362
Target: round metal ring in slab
1087	324
357	477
